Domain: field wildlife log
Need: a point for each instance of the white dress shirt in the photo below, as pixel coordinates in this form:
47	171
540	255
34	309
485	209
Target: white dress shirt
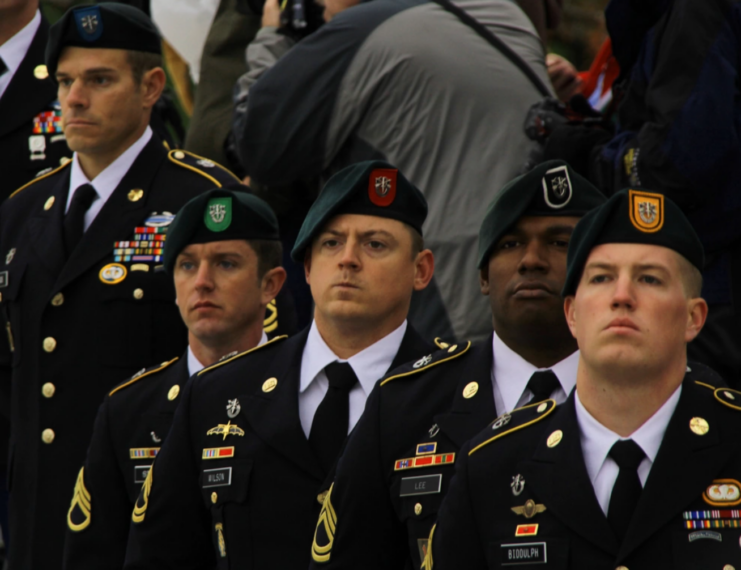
369	366
14	50
195	366
597	440
107	181
511	373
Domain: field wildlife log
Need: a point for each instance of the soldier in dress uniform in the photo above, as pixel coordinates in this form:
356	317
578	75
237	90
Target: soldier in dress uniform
242	472
397	466
224	253
641	467
82	295
31	135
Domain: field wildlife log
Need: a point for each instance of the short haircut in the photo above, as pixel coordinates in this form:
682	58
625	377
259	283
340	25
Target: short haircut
691	277
269	255
141	62
418	242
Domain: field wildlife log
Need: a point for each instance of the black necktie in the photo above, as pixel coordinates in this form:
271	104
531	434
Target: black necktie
3	67
74	220
627	490
329	428
542	384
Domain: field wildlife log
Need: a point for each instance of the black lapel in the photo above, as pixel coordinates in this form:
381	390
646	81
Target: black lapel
27	96
468	416
119	215
685	465
412	347
45	228
558	478
274	415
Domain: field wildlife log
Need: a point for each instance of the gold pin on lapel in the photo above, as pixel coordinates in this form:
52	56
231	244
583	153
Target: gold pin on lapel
135	195
699	426
470	390
49	203
40	72
555	438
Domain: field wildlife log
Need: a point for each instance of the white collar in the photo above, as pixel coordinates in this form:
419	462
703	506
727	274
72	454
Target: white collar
369	365
195	366
14	50
597	440
109	179
512	372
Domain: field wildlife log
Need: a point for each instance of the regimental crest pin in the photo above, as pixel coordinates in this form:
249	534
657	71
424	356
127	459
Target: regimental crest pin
10	255
155	439
646	211
382	186
424	361
89	23
218	215
501	421
557	189
233	408
434	430
518	485
205	163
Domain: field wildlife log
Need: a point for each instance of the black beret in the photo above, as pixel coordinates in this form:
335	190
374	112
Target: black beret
218	215
372	188
104	25
552	188
632	216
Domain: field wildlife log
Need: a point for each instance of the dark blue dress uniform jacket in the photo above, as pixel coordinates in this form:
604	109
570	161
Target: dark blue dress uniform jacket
477	527
237	492
384	515
71	337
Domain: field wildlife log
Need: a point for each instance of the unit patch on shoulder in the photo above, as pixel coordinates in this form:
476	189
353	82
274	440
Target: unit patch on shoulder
518	419
443	355
321	548
79	514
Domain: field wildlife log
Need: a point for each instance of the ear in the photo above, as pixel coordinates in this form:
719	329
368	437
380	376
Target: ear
484	280
272	283
569	309
424	268
153	83
697	314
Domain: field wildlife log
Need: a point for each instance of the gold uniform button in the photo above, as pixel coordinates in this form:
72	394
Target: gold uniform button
470	390
554	439
40	72
135	195
453	348
57	299
542	408
173	393
179	154
418	509
699	426
621	568
47	436
728	567
138	294
48	390
214	497
50	344
269	384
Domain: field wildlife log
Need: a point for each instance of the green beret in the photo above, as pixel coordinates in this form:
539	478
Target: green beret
218	215
372	188
552	188
104	25
632	216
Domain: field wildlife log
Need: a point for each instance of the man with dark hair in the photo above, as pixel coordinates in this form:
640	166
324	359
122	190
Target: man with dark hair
640	467
31	136
243	471
225	275
398	463
82	295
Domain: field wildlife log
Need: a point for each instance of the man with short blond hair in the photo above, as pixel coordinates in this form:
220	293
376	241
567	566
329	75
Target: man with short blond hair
84	300
640	467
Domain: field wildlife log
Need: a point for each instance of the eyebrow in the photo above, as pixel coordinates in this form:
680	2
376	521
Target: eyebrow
640	266
369	233
550	230
92	71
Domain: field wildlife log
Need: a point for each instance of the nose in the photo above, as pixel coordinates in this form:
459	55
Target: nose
76	96
350	258
204	278
623	296
534	258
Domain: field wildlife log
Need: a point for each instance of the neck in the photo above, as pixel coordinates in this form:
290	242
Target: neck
93	163
540	350
347	338
208	351
14	20
624	400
